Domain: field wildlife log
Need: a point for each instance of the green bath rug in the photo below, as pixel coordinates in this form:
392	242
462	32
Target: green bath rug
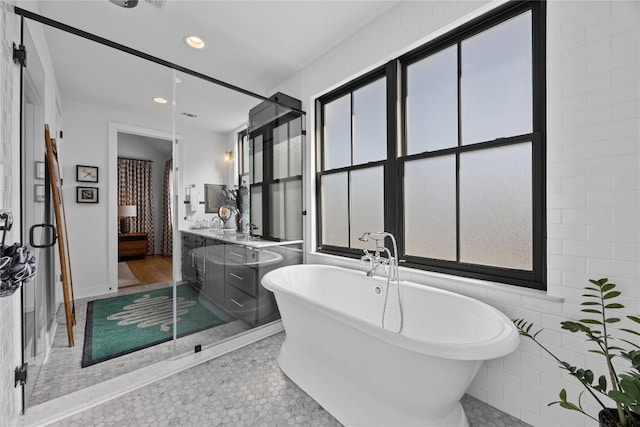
121	325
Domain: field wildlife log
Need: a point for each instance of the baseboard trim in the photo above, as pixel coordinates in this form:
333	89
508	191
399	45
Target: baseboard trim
81	400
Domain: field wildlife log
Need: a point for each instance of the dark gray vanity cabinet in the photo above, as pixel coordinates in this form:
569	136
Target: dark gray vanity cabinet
228	274
246	298
214	287
192	260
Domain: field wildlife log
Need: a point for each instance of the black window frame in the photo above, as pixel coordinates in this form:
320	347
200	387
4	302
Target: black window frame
266	131
395	71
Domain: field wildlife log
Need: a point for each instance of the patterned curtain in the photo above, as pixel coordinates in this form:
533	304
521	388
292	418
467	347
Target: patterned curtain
135	187
167	228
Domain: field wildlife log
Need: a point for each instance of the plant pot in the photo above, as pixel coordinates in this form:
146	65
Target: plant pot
609	418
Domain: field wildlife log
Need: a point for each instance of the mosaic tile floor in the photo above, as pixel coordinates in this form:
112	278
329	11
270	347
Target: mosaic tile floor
242	388
62	373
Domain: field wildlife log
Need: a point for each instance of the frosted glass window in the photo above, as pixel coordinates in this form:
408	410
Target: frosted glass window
276	216
245	155
370	122
496	85
257	147
367	204
293	209
432	102
295	147
337	133
280	152
335	209
430	208
256	209
496	207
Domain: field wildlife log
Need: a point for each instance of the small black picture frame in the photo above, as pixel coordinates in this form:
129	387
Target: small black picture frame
86	173
40	170
86	194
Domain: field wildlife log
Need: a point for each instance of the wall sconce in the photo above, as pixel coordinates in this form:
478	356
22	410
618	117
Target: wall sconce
228	156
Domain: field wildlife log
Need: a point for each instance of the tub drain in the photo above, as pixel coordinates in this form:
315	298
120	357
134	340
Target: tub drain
377	290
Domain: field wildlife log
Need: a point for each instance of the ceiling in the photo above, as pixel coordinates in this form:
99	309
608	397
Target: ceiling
255	45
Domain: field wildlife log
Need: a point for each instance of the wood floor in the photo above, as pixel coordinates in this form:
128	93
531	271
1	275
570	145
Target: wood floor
151	269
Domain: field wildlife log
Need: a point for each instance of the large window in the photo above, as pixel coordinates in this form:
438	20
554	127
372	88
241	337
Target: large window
458	173
354	153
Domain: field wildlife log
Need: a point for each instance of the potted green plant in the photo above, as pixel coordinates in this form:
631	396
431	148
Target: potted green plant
624	388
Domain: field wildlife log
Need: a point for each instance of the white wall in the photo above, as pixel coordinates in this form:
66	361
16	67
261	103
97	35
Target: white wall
87	143
145	148
202	162
592	178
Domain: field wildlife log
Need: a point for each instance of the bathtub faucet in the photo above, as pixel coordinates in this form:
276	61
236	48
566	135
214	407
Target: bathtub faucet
376	260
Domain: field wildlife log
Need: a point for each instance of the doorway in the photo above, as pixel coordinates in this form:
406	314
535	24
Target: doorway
145	249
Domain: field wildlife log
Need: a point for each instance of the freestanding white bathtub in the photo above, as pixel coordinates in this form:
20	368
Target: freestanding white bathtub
336	350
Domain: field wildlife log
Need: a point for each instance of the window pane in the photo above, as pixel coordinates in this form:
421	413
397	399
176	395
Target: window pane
257	159
286	210
367	203
335	209
496	82
496	207
430	208
295	147
432	102
337	133
256	209
280	152
245	155
370	122
276	216
293	209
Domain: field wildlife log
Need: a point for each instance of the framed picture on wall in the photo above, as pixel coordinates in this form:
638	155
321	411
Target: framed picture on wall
39	170
86	194
38	193
86	173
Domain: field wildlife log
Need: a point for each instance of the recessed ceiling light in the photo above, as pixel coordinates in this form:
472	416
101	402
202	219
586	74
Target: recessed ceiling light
194	42
159	100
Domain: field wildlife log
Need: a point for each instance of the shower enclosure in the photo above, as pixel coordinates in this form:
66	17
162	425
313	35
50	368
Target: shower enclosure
217	270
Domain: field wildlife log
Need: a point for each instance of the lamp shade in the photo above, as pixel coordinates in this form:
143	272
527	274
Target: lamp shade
127	210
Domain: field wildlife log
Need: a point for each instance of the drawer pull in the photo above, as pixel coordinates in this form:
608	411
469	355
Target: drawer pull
236	303
236	254
236	276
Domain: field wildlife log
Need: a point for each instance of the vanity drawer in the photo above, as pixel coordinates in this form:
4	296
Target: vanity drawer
243	278
234	254
241	304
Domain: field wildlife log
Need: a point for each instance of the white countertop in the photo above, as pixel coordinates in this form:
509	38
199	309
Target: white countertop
237	238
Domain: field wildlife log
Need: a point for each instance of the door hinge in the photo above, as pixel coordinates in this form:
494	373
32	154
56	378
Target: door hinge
20	55
21	375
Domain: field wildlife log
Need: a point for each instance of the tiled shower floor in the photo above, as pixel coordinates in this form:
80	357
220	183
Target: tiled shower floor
242	388
62	373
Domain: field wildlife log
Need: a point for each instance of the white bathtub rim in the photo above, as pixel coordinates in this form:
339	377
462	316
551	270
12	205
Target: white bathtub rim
499	345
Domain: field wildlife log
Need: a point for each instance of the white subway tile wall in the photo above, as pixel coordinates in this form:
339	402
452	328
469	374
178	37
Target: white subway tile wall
8	322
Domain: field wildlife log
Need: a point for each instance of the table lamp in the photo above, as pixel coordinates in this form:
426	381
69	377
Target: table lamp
125	212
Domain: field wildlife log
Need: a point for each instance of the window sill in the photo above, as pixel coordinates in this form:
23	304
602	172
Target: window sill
480	289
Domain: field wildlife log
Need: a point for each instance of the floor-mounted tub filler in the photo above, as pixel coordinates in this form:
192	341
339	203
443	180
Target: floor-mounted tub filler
337	351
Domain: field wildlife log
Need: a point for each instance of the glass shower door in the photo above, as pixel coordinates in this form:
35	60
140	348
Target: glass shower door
38	294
